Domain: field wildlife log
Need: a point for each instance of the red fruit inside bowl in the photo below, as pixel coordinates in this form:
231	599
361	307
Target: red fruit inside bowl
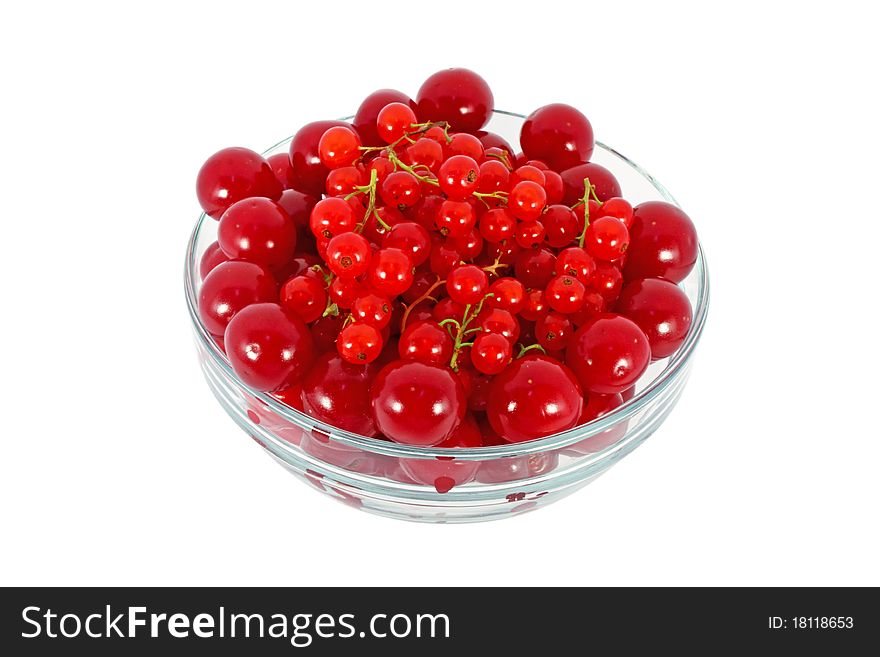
444	473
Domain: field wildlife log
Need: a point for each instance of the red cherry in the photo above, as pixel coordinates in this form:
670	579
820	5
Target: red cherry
467	284
527	200
458	96
338	393
348	255
212	257
459	177
491	353
231	175
559	135
535	396
305	297
417	404
325	331
282	168
663	243
309	173
427	342
606	238
661	309
602	179
268	347
359	344
257	230
298	207
390	272
444	473
608	354
365	118
229	288
394	121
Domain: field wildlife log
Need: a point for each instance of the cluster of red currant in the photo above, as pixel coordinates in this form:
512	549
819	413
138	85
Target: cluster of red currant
409	276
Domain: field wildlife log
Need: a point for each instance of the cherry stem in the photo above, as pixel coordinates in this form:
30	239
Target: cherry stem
585	201
424	297
462	328
524	350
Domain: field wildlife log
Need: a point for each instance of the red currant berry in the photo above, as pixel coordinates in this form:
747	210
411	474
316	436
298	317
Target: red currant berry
554	331
372	309
559	135
530	234
527	172
467	284
606	238
497	225
458	96
344	180
212	257
565	294
339	146
501	322
417	404
229	288
561	225
390	272
464	144
490	353
535	306
527	200
427	342
554	187
608	354
231	175
459	177
444	257
617	207
348	255
394	121
424	153
495	142
494	177
470	245
368	112
400	190
534	397
338	393
661	310
359	344
448	309
383	167
663	243
268	347
607	281
411	238
535	267
330	217
257	230
305	297
456	218
574	261
344	291
309	173
507	294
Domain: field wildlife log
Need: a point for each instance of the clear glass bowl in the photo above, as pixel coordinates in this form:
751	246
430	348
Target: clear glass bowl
366	473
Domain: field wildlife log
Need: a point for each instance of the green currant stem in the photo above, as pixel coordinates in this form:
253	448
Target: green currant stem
495	266
503	159
484	195
585	201
424	297
331	309
524	350
462	329
396	161
371	204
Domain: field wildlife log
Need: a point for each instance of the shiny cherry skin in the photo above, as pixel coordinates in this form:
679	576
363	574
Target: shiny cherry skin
338	393
427	342
283	169
602	179
230	287
535	396
445	472
365	117
257	230
325	331
608	354
234	174
268	347
305	297
417	404
359	343
534	268
458	96
663	243
559	135
661	309
212	257
298	207
309	173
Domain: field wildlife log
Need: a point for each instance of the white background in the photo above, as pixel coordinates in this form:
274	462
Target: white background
118	466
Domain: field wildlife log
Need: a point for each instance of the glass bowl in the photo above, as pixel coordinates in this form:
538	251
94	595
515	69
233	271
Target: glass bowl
489	482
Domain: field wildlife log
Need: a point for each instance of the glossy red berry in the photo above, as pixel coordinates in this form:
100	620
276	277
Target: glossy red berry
608	354
427	342
330	217
606	238
527	200
527	172
365	118
663	243
348	255
443	474
372	309
458	96
456	218
268	347
470	245
535	267
661	309
298	207
212	257
617	207
560	224
338	393
459	177
359	344
424	153
559	135
606	280
412	239
507	294
229	288
554	331
565	294
231	175
305	297
344	291
400	190
554	187
500	322
417	404
394	121
467	284
309	173
339	146
535	306
257	230
530	234
491	353
604	182
575	261
283	169
461	143
535	396
497	225
343	180
390	272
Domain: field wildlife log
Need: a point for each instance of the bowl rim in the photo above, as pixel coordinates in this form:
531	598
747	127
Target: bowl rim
675	366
